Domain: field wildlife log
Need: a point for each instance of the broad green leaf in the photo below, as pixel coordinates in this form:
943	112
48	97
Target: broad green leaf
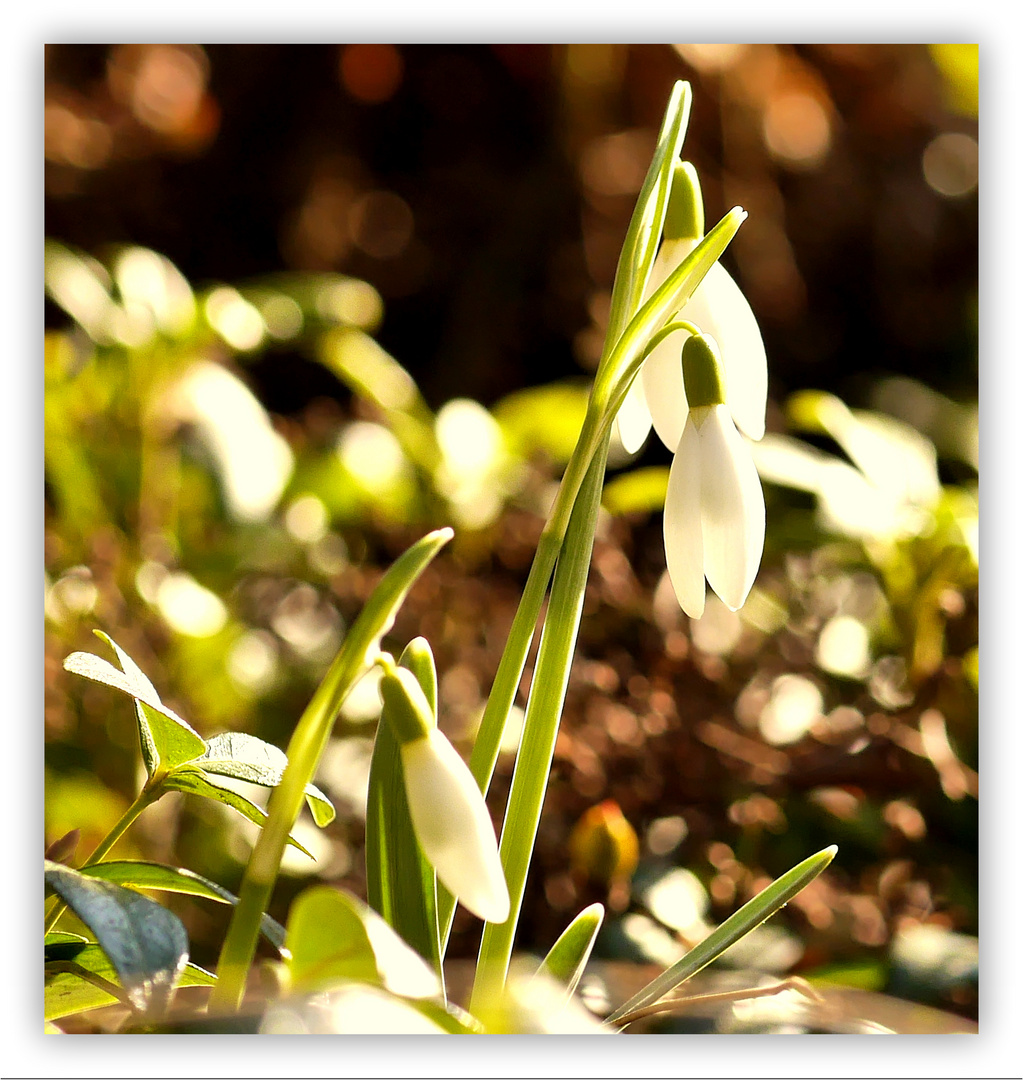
68	968
569	954
544	419
167	740
193	782
146	875
640	491
401	884
332	936
145	942
736	926
244	757
62	937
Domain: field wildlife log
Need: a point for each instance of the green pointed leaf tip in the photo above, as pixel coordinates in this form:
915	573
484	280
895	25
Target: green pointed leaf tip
244	757
167	740
146	875
146	943
570	953
747	918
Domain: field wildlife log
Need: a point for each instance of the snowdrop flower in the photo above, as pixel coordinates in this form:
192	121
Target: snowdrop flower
714	507
448	813
718	308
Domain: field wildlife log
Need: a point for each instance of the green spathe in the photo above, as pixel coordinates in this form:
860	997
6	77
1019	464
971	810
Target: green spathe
405	706
702	372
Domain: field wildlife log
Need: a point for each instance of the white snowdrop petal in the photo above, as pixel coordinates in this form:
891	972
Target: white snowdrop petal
453	826
665	390
733	516
633	418
683	540
719	308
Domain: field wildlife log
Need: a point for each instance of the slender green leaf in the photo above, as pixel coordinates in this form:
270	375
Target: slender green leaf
540	727
244	757
569	954
332	936
305	749
146	943
193	782
644	233
147	875
401	884
70	965
747	918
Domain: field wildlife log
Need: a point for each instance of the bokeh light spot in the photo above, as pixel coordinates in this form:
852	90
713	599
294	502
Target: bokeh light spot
381	224
950	163
797	130
371	73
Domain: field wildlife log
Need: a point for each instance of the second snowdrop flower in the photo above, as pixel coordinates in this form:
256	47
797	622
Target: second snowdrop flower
449	816
714	507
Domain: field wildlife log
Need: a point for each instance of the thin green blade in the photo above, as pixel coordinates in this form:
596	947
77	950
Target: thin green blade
747	918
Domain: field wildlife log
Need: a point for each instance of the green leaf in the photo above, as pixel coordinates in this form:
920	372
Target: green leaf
193	782
401	884
70	965
62	937
540	727
545	419
640	491
332	936
357	653
736	926
244	757
147	875
145	942
569	954
167	740
644	233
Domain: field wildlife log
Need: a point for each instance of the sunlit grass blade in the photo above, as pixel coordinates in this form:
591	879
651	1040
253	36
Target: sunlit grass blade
357	653
401	884
644	233
569	954
736	926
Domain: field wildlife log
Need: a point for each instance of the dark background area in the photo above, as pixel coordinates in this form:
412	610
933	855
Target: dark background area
490	249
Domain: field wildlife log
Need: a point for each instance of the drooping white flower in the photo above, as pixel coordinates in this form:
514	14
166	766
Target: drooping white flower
714	507
449	815
453	827
718	308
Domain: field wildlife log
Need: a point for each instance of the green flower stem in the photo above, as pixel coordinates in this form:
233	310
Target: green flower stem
502	694
149	794
305	749
540	729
